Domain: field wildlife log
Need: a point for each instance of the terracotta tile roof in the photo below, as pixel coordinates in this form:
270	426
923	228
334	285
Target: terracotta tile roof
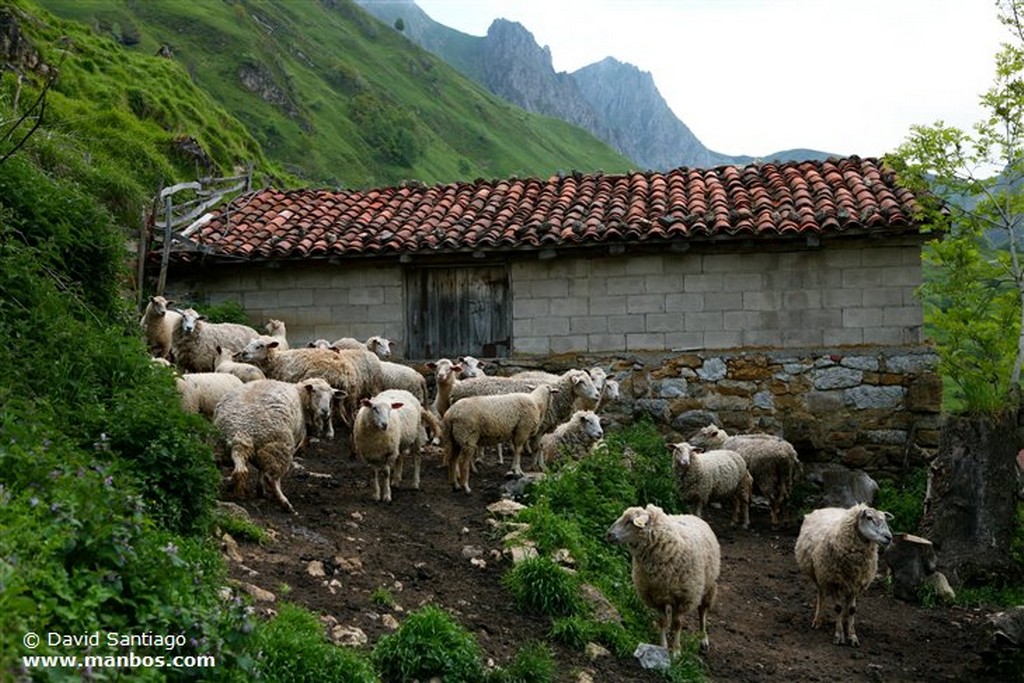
756	201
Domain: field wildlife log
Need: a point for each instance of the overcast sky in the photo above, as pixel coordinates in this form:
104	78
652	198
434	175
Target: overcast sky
759	76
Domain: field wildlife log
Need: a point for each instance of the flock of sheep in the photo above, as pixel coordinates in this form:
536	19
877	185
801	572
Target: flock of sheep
266	399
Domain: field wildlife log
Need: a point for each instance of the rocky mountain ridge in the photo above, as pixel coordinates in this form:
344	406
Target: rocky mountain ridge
616	101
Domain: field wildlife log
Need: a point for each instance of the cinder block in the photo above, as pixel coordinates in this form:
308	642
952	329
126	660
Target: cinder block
645	341
606	342
645	303
591	324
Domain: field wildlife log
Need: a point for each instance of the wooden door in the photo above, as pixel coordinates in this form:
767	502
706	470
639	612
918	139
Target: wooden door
458	311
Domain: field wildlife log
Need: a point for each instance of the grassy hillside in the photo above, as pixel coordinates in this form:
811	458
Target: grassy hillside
338	97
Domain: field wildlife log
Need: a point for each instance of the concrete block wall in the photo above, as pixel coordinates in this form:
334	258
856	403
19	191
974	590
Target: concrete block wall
318	301
857	294
832	296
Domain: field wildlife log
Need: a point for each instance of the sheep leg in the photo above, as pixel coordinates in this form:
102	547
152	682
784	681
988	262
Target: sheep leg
241	452
816	622
774	507
677	627
517	458
456	453
848	617
387	482
274	484
399	469
464	475
376	483
702	615
664	619
416	468
274	459
743	502
501	458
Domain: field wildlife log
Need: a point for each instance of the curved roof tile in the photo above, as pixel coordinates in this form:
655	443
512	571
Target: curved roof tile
768	199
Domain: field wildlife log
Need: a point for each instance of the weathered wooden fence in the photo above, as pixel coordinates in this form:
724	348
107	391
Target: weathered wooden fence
176	212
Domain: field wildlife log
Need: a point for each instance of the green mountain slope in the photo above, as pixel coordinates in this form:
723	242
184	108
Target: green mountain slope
338	97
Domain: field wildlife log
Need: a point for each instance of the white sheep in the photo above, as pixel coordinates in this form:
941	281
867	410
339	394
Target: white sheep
244	371
572	387
389	429
355	372
381	346
158	323
202	391
277	330
573	438
609	392
265	422
711	475
477	421
445	377
838	549
398	376
771	460
598	375
471	367
676	562
195	341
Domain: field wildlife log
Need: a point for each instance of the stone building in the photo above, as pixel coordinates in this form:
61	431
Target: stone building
778	297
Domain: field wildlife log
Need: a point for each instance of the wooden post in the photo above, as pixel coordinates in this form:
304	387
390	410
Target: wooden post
165	257
140	272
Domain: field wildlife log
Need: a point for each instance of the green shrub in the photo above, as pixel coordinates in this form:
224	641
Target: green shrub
540	586
227	312
239	527
904	500
382	597
534	663
71	565
576	631
429	643
293	647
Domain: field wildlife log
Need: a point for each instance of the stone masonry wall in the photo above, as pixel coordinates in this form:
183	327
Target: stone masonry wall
876	409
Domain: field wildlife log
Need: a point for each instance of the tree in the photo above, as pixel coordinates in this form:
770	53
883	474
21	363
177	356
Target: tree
973	181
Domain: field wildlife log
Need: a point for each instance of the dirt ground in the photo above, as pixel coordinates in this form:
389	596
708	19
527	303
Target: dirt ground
414	547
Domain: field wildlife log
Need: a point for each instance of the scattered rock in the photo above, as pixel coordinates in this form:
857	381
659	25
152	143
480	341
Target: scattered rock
505	508
234	510
563	556
389	622
603	610
316	568
522	552
258	594
516	488
350	636
352	565
585	677
652	657
229	546
595	651
470	552
478	562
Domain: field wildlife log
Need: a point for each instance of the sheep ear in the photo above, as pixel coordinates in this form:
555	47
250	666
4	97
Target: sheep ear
339	394
431	365
365	402
396	406
456	368
888	516
641	520
310	345
273	345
